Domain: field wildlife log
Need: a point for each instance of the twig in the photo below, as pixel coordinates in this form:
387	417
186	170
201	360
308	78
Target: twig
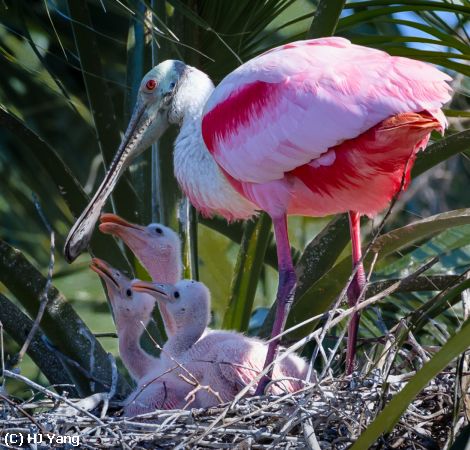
309	434
25	413
2	356
359	306
332	409
43	299
50	394
112	389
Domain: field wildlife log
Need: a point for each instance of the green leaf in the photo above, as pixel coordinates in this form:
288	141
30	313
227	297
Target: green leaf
53	164
321	253
67	185
437	305
101	105
247	272
321	294
442	37
366	14
60	322
392	412
326	18
462	440
234	231
441	151
18	325
423	283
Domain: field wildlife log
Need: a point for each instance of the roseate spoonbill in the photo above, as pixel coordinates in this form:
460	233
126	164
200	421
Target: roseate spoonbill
130	310
225	361
157	247
314	128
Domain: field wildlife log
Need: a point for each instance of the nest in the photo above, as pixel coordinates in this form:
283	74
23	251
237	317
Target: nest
331	414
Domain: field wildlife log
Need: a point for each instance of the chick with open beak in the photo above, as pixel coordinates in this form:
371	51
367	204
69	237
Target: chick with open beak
132	312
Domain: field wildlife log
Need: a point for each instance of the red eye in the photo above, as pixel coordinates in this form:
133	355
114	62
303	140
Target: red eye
150	85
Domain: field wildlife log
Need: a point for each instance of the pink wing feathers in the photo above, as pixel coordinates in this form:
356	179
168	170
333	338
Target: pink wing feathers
288	106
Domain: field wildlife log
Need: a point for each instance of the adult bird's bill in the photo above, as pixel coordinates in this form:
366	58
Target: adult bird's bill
148	122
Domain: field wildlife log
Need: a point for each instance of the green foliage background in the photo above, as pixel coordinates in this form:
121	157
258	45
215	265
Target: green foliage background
69	77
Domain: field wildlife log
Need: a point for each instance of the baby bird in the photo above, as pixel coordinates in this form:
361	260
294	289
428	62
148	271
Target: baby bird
156	246
131	309
225	361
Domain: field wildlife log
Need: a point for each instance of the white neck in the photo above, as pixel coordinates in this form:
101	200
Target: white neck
196	171
184	338
137	361
191	97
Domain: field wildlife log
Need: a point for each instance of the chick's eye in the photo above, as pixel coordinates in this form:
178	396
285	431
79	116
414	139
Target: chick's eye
158	230
176	294
151	84
129	293
172	85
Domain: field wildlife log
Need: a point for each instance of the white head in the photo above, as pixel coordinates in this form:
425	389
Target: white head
157	246
188	302
129	307
167	93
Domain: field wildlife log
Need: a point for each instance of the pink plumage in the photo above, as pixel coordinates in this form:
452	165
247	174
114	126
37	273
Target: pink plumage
224	361
306	104
321	127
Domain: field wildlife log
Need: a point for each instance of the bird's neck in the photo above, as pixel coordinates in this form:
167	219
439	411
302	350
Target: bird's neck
166	268
134	357
183	339
191	97
168	322
189	102
188	106
195	169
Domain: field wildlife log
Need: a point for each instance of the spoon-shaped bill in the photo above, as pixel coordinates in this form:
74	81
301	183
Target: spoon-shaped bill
149	121
134	142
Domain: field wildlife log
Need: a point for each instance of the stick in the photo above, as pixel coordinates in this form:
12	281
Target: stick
50	394
44	296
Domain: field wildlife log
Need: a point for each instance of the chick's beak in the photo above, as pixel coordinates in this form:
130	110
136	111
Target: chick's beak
157	290
113	224
104	270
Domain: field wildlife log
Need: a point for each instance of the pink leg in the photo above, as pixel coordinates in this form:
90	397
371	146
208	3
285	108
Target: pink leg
285	291
355	288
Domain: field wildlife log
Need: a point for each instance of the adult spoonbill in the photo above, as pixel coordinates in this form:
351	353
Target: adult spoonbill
226	361
314	128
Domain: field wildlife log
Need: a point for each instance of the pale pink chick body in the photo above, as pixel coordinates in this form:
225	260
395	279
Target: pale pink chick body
225	361
132	312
